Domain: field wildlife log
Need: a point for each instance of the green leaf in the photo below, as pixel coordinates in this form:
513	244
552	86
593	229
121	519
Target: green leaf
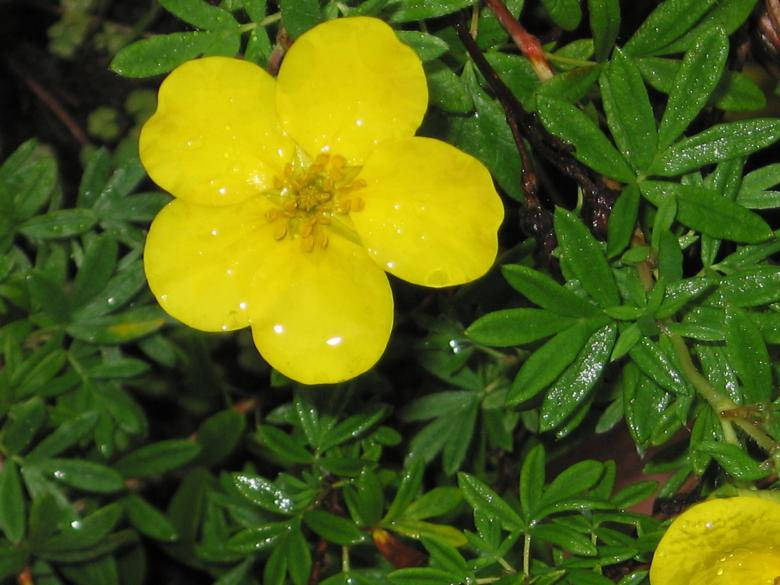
447	557
518	74
287	448
734	460
483	499
118	368
265	494
12	504
422	576
669	21
486	136
408	488
717	143
605	25
121	328
728	14
417	530
275	567
157	458
238	574
147	519
335	529
427	46
95	271
457	443
120	289
532	480
628	338
592	147
258	538
437	502
628	110
83	475
84	533
510	327
352	428
545	292
748	354
366	499
12	560
696	79
446	90
299	16
634	494
298	557
622	220
680	293
66	435
162	53
574	480
577	382
410	10
566	538
751	287
738	93
547	362
200	14
654	363
61	223
709	212
585	256
23	422
565	13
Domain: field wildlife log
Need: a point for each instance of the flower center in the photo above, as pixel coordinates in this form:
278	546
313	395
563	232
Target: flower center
313	195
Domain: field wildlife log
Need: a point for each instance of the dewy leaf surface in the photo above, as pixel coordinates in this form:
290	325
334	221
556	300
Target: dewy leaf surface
628	110
695	81
665	24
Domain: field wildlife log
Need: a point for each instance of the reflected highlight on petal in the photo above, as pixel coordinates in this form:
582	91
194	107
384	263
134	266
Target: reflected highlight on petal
728	541
349	84
322	316
431	212
200	261
215	138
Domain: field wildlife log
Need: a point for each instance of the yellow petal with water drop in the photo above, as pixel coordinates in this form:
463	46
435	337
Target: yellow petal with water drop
430	212
215	138
200	261
349	84
728	541
322	316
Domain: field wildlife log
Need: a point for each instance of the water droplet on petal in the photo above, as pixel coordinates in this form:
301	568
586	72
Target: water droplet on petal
334	341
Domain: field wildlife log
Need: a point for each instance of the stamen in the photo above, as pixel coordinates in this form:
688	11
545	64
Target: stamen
280	231
307	244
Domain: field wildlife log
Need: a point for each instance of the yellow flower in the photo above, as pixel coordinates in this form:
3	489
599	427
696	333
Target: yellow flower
295	194
728	541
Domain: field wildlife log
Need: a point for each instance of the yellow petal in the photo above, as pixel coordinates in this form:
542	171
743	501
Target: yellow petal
729	541
348	84
200	261
322	316
431	212
215	138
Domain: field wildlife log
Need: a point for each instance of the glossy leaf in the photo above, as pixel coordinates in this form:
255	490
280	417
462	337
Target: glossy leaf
532	480
695	81
200	14
545	292
12	502
157	458
547	362
335	529
717	143
577	382
605	25
61	223
565	13
748	354
734	460
287	448
83	475
669	21
483	499
709	212
148	520
591	146
510	327
409	10
586	258
299	16
628	110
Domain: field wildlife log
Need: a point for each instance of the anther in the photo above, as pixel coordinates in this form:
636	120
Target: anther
307	244
280	231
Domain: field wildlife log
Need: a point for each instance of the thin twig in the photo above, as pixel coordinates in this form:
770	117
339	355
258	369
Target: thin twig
57	109
528	44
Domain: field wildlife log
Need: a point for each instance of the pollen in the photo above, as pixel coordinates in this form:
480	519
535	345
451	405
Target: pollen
309	195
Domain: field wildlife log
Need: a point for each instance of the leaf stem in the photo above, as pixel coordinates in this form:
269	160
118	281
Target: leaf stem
527	554
717	401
